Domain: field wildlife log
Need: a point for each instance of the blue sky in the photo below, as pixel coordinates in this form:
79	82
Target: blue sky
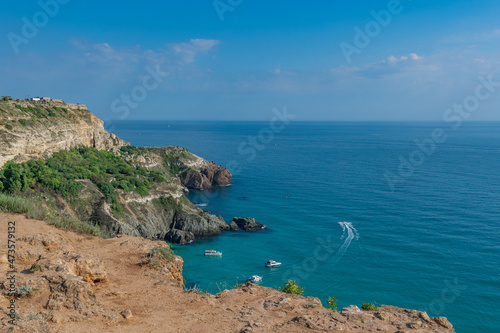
262	55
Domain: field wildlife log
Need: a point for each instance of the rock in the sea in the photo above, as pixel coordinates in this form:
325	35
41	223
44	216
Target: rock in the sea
179	236
233	226
247	223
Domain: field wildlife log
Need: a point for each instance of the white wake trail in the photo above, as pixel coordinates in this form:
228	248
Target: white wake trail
351	234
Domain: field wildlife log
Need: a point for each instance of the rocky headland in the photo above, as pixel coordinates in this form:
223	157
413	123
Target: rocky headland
39	130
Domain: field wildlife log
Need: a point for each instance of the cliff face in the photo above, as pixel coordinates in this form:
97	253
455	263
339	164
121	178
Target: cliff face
37	129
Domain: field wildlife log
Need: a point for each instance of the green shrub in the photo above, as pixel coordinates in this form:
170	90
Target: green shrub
291	287
8	126
369	307
34	269
25	290
332	303
22	121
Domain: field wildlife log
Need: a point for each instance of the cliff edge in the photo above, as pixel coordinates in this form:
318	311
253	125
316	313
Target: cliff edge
73	283
31	130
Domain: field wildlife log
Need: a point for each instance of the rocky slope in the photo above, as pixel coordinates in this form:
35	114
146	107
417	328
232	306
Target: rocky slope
88	284
37	129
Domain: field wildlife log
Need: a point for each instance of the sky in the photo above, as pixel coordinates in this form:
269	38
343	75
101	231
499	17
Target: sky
240	59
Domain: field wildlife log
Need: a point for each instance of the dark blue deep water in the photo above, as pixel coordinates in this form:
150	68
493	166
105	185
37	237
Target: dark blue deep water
423	237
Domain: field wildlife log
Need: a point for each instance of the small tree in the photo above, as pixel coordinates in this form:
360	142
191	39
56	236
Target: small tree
332	303
291	287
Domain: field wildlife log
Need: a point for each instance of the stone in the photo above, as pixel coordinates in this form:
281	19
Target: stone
247	223
127	314
350	310
233	226
442	321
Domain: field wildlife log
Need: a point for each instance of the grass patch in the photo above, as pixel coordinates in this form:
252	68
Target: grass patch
158	257
33	210
70	223
19	205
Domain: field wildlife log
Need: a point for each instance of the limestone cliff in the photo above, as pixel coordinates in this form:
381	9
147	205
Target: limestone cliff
37	129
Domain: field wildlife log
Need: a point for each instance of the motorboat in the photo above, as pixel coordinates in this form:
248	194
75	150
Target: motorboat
272	263
212	253
254	278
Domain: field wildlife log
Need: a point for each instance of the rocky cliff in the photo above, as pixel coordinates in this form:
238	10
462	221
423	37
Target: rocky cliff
37	129
159	210
74	283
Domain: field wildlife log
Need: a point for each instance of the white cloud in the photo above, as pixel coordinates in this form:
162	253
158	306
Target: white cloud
415	56
393	60
391	65
105	54
188	51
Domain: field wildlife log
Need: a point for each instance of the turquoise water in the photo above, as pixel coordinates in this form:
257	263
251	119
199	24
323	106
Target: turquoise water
431	244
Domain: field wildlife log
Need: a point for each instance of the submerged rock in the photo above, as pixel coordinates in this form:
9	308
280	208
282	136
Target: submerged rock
247	223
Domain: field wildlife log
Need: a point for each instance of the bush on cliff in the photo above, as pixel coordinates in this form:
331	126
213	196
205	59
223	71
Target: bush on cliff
292	287
369	307
332	303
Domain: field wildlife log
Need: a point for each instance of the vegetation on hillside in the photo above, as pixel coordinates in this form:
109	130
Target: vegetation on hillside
32	209
62	175
59	174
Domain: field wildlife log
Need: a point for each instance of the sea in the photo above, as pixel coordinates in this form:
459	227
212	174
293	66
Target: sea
398	213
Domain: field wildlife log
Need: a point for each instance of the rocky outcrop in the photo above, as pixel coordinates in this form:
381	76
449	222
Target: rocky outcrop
248	223
233	226
37	129
165	213
206	177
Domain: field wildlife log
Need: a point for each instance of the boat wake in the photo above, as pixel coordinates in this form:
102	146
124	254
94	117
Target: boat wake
349	233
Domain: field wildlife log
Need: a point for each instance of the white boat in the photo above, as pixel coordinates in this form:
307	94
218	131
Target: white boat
272	263
254	278
212	253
